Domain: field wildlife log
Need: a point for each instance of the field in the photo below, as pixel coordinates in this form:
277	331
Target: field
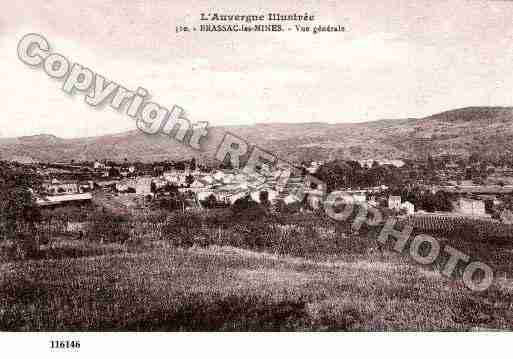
462	226
209	272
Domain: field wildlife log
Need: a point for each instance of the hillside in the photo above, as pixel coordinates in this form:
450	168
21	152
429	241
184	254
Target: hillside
485	130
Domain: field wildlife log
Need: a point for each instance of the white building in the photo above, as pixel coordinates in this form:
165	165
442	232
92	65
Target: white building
143	185
98	165
408	207
394	202
174	177
471	207
61	187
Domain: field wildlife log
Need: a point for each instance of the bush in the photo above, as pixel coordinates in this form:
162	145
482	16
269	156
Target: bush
26	246
287	208
108	227
246	208
171	203
184	229
210	202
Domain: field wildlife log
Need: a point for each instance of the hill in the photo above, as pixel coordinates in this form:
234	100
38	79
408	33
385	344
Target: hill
484	130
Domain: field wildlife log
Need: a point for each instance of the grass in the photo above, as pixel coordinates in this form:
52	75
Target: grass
225	288
293	273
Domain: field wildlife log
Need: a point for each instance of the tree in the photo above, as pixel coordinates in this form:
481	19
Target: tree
171	203
442	202
263	196
18	210
170	188
248	209
210	202
189	180
193	164
431	163
113	172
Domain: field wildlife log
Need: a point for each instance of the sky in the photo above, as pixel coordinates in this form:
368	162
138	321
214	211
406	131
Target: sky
396	59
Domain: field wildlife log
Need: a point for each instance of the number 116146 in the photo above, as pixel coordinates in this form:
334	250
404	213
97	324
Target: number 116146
64	344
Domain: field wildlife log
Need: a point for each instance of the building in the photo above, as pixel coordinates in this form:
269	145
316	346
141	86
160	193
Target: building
177	178
394	202
357	196
408	207
75	198
507	216
471	207
98	165
143	186
203	195
61	187
197	185
369	162
122	187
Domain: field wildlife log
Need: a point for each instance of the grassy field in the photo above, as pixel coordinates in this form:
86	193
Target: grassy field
227	288
304	274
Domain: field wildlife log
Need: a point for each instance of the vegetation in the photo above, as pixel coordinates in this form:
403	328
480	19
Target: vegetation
424	199
350	174
302	273
18	211
252	266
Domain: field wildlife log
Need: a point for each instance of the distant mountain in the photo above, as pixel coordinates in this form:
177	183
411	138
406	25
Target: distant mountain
483	130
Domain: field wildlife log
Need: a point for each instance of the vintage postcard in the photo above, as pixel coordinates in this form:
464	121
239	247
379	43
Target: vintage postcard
241	166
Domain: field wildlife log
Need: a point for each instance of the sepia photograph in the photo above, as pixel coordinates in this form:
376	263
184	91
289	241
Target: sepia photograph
226	167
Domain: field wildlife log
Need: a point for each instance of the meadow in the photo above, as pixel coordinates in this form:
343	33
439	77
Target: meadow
215	271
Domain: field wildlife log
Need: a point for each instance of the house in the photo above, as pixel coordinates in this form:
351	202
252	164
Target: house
372	202
291	199
395	163
208	180
314	166
177	178
507	216
121	187
98	165
222	195
408	207
107	185
64	199
61	187
85	186
143	186
235	196
358	196
218	176
369	162
394	202
197	185
471	207
203	195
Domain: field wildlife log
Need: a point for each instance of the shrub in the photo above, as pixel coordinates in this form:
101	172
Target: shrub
287	208
246	208
210	202
184	229
171	203
108	227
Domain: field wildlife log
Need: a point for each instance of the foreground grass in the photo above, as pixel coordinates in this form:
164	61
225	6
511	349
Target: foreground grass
226	288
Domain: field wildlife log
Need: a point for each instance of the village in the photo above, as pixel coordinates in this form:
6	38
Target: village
200	185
